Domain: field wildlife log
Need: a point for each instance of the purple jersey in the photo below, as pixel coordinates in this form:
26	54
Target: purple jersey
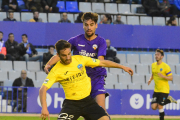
93	49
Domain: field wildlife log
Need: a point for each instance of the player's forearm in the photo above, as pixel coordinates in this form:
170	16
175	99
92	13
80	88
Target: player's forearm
53	60
107	63
42	95
169	78
151	78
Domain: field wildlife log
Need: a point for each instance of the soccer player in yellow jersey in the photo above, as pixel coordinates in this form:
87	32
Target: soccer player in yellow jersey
70	72
161	73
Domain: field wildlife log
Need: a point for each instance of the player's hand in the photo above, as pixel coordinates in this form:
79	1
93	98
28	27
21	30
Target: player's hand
161	75
149	82
46	68
44	114
128	70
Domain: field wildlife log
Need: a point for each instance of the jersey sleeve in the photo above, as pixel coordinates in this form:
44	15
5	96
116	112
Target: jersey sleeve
102	48
168	71
50	79
72	41
91	62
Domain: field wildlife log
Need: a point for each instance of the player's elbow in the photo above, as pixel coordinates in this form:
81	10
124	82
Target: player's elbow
42	89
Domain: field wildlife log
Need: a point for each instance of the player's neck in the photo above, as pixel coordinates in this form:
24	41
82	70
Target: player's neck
91	38
159	62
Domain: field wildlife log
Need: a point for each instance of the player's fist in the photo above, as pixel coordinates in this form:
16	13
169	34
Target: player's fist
46	68
128	70
161	75
149	82
44	114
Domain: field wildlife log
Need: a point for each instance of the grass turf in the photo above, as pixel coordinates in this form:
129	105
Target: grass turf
54	118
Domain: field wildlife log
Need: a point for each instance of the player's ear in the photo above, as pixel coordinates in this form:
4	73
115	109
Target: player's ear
96	25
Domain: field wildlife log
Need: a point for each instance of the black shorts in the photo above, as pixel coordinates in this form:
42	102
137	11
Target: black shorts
159	98
87	107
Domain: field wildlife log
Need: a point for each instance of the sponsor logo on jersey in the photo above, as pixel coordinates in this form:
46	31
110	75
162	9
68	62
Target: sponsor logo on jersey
81	45
84	53
46	81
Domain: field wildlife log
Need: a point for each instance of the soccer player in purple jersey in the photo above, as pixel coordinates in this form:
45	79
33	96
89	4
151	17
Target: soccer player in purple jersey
92	45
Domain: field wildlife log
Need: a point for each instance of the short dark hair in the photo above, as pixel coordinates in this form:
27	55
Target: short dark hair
62	44
90	15
25	35
11	12
10	34
160	51
1	32
35	11
51	46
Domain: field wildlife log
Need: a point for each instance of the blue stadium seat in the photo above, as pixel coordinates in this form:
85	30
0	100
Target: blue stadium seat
61	6
72	6
21	3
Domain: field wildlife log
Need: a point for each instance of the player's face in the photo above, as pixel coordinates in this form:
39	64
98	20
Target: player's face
158	56
89	27
65	56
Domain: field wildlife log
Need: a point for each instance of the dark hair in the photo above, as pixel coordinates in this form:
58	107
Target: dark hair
172	18
1	32
24	35
62	44
160	51
90	15
35	11
109	17
50	46
10	34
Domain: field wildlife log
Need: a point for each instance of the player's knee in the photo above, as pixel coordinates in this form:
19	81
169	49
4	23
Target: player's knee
160	107
154	107
104	118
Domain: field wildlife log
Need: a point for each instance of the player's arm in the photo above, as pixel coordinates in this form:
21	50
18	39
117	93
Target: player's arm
169	78
101	57
150	79
51	62
110	64
42	94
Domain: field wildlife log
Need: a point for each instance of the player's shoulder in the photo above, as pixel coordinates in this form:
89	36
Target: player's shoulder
165	64
56	68
154	63
76	37
101	39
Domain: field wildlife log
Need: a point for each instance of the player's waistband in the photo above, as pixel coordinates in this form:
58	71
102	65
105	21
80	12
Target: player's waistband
81	100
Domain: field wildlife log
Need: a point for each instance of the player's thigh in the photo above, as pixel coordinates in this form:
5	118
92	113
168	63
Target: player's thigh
93	111
160	106
154	106
69	111
104	118
154	102
100	99
162	99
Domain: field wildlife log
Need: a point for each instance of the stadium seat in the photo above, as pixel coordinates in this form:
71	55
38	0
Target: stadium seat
17	16
111	8
71	17
85	6
72	6
25	17
37	83
172	59
61	6
31	75
53	17
6	65
134	8
124	78
109	86
14	74
147	77
43	16
41	76
167	18
138	79
142	69
19	65
115	71
98	7
173	70
6	108
132	66
121	86
75	16
33	66
124	8
159	21
146	20
176	79
132	58
174	86
178	69
146	59
107	69
123	19
134	86
122	58
99	18
21	3
148	87
4	75
132	20
111	78
55	85
2	16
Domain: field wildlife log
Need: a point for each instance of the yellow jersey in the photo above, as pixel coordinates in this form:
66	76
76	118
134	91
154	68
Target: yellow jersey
73	77
161	84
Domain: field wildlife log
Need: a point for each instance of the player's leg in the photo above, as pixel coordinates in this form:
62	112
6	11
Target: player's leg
69	111
154	102
100	99
161	112
154	106
104	118
170	99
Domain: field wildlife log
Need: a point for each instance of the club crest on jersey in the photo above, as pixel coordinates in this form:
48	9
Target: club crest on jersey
161	69
95	46
80	66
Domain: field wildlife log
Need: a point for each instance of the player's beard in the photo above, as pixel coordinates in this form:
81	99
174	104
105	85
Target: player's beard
66	62
89	35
